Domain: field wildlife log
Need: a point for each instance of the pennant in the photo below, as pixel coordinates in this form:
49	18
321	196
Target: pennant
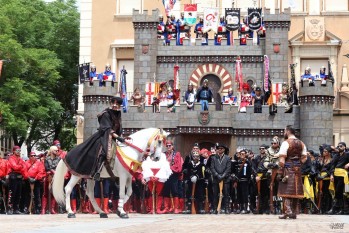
254	18
1	62
232	17
211	20
168	4
176	84
123	89
190	14
238	73
266	73
84	72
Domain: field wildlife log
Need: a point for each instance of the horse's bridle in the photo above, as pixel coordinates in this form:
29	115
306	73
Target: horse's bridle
157	135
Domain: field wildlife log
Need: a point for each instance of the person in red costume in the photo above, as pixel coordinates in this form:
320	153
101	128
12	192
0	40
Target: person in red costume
246	98
171	185
16	172
36	173
3	183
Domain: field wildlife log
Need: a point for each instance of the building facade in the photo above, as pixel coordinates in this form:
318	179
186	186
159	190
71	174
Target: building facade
309	35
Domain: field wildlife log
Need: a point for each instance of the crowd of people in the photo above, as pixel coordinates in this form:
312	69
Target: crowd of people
179	30
205	182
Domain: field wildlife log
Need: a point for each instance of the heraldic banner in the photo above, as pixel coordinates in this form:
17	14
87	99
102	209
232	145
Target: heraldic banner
254	18
190	14
84	72
232	17
151	90
277	90
211	19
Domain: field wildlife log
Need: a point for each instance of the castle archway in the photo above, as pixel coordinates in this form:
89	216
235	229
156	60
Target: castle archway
215	69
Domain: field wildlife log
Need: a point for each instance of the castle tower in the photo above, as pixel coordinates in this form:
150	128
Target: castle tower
145	46
316	114
276	43
96	99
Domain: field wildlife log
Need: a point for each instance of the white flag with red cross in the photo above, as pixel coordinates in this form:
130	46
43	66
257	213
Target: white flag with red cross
277	90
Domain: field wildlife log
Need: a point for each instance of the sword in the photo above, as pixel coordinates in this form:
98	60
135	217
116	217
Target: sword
312	200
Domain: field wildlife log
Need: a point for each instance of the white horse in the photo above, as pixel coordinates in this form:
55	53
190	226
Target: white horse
130	151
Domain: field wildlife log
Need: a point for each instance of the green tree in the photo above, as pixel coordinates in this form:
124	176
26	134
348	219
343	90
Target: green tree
37	88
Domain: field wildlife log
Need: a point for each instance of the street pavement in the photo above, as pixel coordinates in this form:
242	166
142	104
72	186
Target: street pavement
169	223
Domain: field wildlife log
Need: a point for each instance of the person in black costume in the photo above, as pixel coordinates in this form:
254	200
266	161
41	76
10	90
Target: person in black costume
86	159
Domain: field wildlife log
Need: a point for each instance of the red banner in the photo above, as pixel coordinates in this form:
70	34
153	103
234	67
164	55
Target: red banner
238	73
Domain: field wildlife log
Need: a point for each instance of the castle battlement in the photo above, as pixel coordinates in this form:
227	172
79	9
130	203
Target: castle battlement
144	17
317	89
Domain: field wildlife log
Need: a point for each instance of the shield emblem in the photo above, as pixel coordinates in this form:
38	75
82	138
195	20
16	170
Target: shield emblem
204	117
145	48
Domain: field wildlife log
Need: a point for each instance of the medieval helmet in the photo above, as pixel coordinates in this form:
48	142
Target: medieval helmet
107	66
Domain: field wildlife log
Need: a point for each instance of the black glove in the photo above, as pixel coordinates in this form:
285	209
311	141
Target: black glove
220	177
120	139
31	180
185	171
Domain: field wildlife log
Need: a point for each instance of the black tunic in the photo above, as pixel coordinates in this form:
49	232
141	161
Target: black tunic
82	159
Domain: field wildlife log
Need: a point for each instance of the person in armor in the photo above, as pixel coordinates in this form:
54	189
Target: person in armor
162	33
221	32
182	30
93	74
196	183
260	165
175	160
51	162
230	98
16	172
258	100
170	30
325	197
339	175
244	31
307	76
322	76
36	174
107	75
273	154
101	146
221	171
204	95
292	154
199	27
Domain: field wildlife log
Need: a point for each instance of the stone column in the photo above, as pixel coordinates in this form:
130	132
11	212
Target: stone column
316	114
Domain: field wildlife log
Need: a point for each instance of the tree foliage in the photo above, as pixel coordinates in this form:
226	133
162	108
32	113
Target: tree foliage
37	91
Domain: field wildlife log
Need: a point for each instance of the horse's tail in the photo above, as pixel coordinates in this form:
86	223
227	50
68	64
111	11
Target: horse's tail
58	182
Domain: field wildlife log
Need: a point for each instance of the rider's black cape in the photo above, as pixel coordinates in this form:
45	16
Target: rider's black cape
82	159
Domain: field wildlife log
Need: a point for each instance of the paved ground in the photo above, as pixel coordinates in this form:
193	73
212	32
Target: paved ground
138	223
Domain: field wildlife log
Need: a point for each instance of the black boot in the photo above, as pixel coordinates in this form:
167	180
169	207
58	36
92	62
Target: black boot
340	207
333	210
100	163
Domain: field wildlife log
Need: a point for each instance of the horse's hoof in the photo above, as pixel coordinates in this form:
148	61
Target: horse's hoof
103	215
122	215
71	215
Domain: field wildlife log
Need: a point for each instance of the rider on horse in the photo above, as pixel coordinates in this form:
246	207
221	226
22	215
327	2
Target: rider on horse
87	159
